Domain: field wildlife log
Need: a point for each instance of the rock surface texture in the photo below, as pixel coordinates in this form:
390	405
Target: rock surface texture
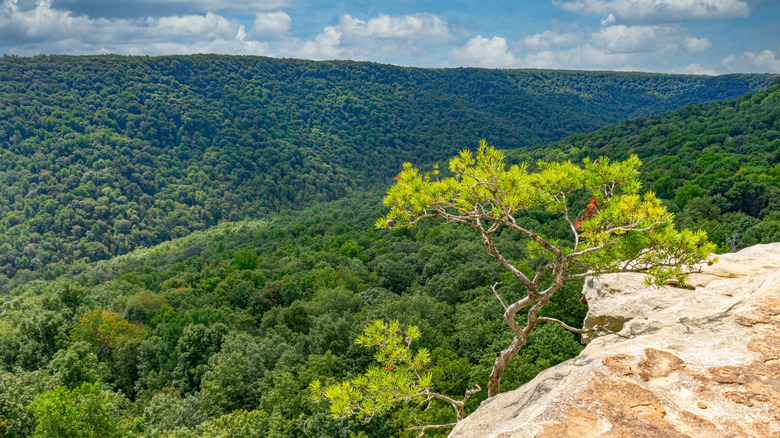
698	362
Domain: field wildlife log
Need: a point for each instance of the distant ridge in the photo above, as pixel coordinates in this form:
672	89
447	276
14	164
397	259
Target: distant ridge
103	154
718	165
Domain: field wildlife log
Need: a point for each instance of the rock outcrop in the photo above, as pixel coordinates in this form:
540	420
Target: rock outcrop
702	361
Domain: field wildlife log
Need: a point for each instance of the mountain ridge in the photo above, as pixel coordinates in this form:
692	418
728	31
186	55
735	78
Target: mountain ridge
103	154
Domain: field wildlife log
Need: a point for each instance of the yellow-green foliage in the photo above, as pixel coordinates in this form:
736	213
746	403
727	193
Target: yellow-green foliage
105	330
400	376
621	229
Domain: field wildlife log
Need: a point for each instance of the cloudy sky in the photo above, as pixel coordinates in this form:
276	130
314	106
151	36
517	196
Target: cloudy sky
675	36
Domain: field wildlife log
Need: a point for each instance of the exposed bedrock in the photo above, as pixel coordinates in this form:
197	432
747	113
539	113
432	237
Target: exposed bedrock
702	361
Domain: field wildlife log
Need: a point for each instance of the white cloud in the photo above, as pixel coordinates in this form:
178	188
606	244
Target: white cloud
156	8
614	47
378	37
691	44
483	52
40	23
416	27
232	5
696	69
326	45
765	61
657	11
632	39
549	39
585	57
44	29
190	27
271	25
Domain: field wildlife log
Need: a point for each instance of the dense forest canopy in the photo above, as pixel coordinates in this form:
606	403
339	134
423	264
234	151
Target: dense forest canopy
100	155
243	316
717	165
255	184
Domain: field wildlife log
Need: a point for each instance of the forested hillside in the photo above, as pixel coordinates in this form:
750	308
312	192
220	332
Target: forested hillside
218	333
102	155
185	338
718	165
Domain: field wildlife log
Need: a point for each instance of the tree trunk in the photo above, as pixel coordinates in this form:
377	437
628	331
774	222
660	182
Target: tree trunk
502	361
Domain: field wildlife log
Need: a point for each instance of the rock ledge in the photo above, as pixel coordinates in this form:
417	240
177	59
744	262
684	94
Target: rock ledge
698	362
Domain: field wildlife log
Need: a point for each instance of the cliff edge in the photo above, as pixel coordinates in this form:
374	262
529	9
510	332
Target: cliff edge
702	361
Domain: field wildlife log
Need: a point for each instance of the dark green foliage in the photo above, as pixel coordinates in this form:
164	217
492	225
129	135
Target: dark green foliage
719	164
100	155
77	365
223	340
245	260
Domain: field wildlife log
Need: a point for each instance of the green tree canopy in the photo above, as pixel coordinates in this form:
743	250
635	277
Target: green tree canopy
618	230
84	412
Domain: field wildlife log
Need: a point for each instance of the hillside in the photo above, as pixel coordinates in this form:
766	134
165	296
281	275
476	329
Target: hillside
245	315
218	333
101	155
718	165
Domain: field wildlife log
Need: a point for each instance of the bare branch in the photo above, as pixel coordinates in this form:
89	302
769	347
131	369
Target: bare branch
571	224
574	255
508	266
425	427
566	326
471	392
595	328
509	353
541	272
450	400
537	238
578	276
495	292
632	227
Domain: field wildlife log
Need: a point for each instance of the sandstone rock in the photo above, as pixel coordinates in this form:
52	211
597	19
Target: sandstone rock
702	361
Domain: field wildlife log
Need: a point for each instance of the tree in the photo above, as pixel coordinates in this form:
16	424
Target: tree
401	376
105	331
619	230
76	365
84	412
18	390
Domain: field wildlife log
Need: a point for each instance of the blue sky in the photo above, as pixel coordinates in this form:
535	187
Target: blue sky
671	36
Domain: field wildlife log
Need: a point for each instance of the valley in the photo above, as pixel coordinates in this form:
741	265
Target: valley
189	242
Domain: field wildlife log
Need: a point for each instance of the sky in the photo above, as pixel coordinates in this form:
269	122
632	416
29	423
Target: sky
670	36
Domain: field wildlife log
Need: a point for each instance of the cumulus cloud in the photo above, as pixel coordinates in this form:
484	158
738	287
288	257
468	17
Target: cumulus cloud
271	25
691	44
158	8
696	69
482	52
633	39
657	11
549	39
614	47
422	26
44	29
621	38
39	23
355	38
585	57
765	61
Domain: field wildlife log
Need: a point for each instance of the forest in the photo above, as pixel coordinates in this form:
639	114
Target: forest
100	155
237	260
